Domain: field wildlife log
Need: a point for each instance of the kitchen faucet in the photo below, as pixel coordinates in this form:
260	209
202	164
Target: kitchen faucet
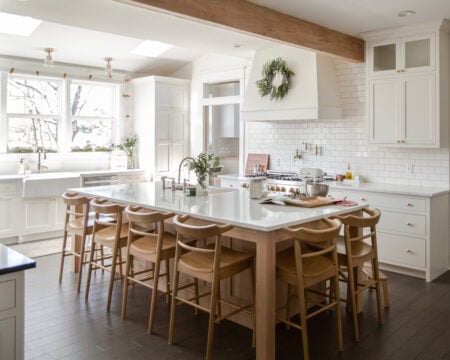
179	167
41	152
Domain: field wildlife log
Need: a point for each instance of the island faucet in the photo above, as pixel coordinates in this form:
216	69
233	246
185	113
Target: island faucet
41	153
179	167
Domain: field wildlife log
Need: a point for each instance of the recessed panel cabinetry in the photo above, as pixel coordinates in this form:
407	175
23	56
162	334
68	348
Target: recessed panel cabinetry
9	208
407	84
161	115
412	233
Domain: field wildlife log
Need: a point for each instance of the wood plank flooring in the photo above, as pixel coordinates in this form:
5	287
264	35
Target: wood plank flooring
60	325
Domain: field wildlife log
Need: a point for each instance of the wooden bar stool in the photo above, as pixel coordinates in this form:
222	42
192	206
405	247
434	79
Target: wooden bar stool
78	222
153	246
110	232
313	261
354	252
212	264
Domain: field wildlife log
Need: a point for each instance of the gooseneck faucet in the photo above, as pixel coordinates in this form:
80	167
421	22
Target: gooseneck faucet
179	167
41	153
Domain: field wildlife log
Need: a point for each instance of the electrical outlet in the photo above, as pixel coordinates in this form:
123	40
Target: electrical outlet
410	168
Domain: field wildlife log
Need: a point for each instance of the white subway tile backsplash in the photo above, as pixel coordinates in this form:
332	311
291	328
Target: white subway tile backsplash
344	141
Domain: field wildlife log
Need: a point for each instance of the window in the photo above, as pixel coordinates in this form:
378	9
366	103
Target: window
92	108
33	114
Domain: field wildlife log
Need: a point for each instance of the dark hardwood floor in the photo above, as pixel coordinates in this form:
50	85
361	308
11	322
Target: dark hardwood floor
60	325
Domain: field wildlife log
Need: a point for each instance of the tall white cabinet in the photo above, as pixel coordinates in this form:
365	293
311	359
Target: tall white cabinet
408	85
161	121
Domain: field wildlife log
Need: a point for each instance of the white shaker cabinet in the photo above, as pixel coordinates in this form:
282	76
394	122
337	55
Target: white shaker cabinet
41	216
413	232
9	209
408	85
161	121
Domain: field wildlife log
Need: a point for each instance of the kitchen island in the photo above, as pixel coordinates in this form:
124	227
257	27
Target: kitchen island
253	222
12	293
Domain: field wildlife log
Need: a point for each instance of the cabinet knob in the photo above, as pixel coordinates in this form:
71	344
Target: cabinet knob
409	251
399	141
409	224
401	71
409	205
363	199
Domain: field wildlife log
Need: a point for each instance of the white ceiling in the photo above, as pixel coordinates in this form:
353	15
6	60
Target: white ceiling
86	31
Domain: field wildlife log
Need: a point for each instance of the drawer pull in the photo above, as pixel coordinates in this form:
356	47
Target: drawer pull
408	251
363	199
409	224
410	205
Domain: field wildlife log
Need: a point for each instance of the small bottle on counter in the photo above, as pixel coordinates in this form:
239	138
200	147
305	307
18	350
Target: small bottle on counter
21	167
348	174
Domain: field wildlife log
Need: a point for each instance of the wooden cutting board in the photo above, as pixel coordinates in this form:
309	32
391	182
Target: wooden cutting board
261	159
306	203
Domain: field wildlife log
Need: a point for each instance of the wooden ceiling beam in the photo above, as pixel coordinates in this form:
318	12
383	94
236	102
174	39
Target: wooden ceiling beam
244	16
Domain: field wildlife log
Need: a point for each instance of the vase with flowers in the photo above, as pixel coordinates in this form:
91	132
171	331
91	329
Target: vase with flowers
129	146
203	166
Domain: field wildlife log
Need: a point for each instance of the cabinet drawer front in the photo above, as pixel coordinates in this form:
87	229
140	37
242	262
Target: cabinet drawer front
9	187
8	297
397	202
402	223
401	250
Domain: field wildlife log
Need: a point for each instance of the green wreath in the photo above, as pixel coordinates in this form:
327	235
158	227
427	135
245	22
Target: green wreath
276	80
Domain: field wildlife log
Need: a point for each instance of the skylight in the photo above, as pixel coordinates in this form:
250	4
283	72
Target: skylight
17	25
151	48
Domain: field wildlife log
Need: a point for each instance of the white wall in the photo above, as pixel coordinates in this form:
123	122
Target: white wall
344	141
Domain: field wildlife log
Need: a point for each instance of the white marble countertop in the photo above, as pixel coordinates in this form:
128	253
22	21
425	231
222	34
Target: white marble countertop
220	205
414	190
65	174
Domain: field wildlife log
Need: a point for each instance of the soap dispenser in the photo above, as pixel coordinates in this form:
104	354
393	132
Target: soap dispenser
21	167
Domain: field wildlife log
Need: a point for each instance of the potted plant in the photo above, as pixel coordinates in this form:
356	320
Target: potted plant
203	165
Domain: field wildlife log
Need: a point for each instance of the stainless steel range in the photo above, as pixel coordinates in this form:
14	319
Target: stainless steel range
289	182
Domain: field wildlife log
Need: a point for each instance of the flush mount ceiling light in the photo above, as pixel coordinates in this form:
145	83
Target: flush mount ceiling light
108	68
17	25
405	13
151	48
48	61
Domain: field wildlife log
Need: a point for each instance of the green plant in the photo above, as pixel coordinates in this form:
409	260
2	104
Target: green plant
129	145
203	165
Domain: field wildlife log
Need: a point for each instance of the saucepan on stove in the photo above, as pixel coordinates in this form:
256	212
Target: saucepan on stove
315	188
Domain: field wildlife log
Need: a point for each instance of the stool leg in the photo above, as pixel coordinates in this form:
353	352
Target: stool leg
288	304
212	316
113	275
336	294
376	276
91	260
351	287
125	286
63	254
167	281
253	285
80	267
303	324
176	277
154	294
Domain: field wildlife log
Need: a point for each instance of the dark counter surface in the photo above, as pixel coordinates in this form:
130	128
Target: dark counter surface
13	261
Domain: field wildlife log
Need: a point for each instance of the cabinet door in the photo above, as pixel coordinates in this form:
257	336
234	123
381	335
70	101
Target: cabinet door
39	215
419	109
8	338
384	111
8	215
383	57
417	54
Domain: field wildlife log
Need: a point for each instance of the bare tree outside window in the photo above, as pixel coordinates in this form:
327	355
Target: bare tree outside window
33	111
92	110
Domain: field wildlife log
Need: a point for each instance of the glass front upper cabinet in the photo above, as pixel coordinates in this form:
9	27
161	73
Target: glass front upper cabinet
410	54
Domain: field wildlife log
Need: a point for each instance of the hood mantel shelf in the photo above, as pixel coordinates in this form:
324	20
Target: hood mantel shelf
314	93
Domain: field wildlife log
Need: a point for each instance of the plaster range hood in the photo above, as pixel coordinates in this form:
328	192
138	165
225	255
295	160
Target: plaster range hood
313	95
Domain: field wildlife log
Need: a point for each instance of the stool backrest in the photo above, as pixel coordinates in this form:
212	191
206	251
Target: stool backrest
145	222
203	232
107	214
354	225
77	207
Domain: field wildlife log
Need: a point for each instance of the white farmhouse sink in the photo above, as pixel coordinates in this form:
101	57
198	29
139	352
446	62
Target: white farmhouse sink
49	184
